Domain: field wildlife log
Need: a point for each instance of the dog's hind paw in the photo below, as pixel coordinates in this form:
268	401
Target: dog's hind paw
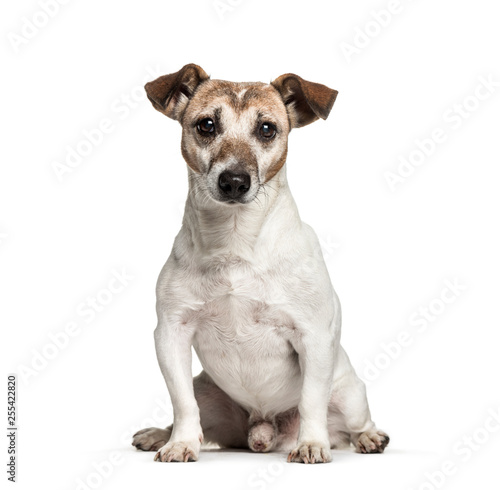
151	439
372	442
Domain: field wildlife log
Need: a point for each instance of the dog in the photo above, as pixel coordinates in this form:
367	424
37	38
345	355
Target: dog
246	285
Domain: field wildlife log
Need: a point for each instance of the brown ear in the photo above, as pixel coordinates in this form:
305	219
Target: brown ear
304	101
170	94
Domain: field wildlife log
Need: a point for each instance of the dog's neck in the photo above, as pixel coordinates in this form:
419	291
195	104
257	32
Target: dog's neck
218	229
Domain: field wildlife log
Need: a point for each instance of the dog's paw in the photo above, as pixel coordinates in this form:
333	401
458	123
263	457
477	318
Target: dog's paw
151	439
372	442
310	452
178	452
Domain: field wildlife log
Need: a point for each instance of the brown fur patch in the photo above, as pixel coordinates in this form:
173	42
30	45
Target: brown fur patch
257	94
190	160
276	167
209	100
239	150
189	95
305	101
169	93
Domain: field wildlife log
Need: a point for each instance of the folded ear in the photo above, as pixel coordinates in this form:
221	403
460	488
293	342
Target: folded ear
170	94
304	101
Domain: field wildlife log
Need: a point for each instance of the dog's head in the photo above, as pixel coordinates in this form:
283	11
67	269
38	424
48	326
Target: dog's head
234	135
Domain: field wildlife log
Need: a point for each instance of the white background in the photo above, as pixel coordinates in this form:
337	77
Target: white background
389	252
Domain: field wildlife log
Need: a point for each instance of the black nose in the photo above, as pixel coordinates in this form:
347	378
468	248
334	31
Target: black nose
234	185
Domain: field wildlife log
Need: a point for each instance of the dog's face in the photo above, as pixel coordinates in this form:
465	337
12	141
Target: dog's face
234	135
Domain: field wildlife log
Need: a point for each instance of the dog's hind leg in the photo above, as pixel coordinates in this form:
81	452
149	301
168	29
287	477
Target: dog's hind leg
223	421
349	418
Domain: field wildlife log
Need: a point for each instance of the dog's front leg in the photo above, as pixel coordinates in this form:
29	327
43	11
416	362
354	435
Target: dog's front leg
316	353
173	342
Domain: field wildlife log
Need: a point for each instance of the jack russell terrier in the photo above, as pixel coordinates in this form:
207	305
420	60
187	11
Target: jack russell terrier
246	285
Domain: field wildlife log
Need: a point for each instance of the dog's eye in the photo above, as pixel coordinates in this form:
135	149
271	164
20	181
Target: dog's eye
267	130
206	126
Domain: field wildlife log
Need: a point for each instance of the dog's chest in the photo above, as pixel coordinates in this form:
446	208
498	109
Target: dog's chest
242	338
